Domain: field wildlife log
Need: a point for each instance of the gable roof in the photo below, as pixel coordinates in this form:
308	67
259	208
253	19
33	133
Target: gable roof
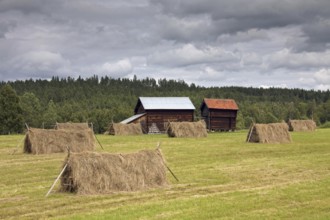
166	103
228	104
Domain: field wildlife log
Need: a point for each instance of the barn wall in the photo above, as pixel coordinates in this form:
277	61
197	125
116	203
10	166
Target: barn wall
205	115
161	117
221	119
223	113
222	123
204	111
139	109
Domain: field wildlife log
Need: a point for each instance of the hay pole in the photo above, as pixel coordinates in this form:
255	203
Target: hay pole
171	172
158	147
17	146
51	188
250	132
98	141
92	127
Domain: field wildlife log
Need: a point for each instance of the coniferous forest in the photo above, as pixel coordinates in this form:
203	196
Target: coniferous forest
100	100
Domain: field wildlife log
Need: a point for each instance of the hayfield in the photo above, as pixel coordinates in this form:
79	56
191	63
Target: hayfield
220	177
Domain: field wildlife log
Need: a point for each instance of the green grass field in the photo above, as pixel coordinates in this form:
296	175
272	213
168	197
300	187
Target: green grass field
221	177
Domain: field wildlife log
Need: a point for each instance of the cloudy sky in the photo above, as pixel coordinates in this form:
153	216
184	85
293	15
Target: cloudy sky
259	43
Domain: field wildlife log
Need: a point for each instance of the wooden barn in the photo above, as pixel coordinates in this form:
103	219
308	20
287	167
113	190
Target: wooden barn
219	114
154	113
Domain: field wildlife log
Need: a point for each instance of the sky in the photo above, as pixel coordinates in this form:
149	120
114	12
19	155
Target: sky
258	43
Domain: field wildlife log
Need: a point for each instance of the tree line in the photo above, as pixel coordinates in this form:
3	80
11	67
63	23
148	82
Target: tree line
101	100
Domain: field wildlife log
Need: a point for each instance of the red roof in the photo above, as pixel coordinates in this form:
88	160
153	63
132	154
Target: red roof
229	104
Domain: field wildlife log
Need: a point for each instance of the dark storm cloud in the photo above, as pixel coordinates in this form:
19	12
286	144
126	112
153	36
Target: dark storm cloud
317	33
5	27
227	42
32	6
272	12
231	16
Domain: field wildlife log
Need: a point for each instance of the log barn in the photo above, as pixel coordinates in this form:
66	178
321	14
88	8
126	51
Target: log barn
154	113
219	114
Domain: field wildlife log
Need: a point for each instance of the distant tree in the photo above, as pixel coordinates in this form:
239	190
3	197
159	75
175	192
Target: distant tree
11	118
293	112
311	109
101	118
240	124
324	113
248	121
50	116
270	118
101	100
31	109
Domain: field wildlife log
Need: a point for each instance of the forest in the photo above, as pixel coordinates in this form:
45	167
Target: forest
101	100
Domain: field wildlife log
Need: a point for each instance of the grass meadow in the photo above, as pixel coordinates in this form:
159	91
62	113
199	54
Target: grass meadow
220	177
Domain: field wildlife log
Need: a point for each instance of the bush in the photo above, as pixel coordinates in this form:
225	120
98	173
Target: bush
325	125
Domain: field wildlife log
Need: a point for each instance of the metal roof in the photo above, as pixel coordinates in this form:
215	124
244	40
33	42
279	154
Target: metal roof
167	103
130	119
228	104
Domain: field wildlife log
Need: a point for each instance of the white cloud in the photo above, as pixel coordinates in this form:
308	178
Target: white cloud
322	77
120	68
189	54
210	74
183	29
285	59
251	59
276	86
246	36
41	61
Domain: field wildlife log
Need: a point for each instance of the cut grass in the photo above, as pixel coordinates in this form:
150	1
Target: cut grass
221	177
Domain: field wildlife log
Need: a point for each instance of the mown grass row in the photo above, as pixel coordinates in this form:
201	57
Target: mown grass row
220	176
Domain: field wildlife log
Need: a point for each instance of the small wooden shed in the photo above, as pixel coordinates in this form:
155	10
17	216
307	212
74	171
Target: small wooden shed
219	114
154	113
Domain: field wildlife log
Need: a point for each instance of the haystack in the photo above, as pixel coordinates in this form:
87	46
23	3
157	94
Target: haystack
99	173
72	126
269	133
187	129
45	141
302	125
125	129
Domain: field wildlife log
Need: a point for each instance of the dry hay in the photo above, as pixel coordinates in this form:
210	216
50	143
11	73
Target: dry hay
125	129
269	133
72	126
301	125
45	141
99	173
187	129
